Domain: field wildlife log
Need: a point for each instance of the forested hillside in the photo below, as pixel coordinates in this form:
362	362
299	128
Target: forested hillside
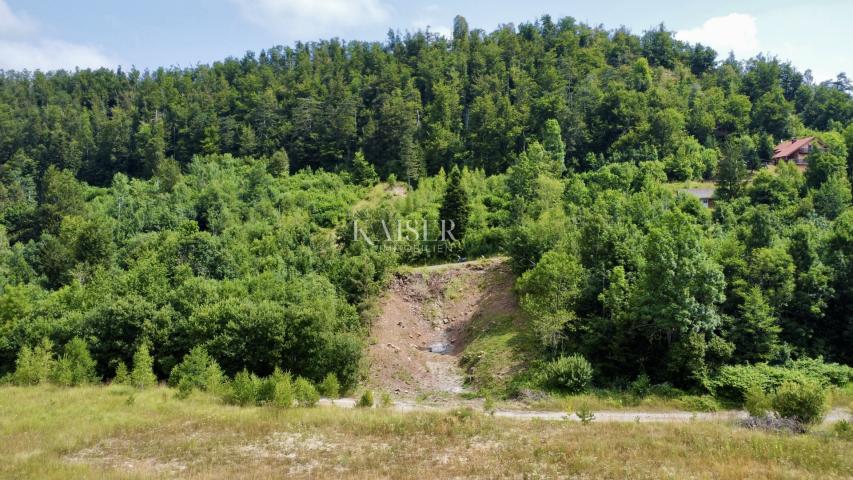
214	206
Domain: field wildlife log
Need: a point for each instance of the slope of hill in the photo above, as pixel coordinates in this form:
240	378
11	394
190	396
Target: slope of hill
448	329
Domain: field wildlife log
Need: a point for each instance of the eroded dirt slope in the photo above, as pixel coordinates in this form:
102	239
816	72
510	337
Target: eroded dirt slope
426	322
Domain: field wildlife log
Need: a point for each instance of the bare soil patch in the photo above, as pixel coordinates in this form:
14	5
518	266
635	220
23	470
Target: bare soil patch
424	324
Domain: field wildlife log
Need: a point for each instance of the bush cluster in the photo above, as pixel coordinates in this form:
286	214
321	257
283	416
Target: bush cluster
278	390
734	381
39	365
571	373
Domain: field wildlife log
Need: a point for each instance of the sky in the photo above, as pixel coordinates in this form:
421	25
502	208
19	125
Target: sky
54	34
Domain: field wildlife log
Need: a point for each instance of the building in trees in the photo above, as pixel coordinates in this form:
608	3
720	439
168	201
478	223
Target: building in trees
796	150
705	195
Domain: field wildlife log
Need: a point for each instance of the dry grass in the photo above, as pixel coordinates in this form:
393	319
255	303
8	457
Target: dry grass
96	432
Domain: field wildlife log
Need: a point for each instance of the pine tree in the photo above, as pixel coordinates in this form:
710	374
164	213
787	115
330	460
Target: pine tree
363	172
142	375
455	206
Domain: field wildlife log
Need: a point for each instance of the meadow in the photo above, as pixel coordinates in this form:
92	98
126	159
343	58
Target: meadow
118	432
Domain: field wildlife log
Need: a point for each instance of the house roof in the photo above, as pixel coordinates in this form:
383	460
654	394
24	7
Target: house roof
699	193
789	147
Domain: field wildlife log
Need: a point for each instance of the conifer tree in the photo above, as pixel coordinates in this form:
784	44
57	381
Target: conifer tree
455	206
142	375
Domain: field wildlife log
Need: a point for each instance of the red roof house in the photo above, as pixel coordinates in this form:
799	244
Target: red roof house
795	150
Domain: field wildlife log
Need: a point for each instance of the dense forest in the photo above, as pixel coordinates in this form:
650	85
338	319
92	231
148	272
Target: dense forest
214	206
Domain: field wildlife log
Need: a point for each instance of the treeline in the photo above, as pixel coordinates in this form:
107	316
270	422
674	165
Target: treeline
227	256
416	103
213	207
645	281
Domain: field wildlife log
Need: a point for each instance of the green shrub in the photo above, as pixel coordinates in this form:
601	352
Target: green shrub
122	376
733	381
665	390
214	379
843	429
142	376
191	371
366	400
283	393
640	387
197	371
265	393
804	402
701	403
572	373
75	366
244	389
330	387
585	414
825	373
757	402
305	393
34	365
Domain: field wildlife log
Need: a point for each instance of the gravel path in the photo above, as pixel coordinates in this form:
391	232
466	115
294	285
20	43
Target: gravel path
602	416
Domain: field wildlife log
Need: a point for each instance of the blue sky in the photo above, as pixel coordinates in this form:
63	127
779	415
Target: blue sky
50	34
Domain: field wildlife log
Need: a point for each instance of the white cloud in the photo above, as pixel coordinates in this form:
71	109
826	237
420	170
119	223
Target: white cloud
49	55
299	18
439	29
11	24
735	32
23	48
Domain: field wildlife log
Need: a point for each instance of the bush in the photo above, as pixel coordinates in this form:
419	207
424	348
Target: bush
757	402
843	429
804	402
244	389
366	400
197	371
572	373
122	376
283	392
266	391
191	369
142	376
640	387
330	387
733	381
34	365
825	373
305	393
703	403
76	366
214	379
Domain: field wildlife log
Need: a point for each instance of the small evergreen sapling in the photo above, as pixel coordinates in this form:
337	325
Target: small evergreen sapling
122	376
142	376
330	387
305	393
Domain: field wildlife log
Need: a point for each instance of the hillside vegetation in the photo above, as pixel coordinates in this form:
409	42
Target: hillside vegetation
244	219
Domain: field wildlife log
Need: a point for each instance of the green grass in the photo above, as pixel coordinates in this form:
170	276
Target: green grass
94	432
501	348
676	186
842	397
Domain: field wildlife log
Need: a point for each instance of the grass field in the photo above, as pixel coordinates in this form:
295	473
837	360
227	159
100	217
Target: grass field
114	432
